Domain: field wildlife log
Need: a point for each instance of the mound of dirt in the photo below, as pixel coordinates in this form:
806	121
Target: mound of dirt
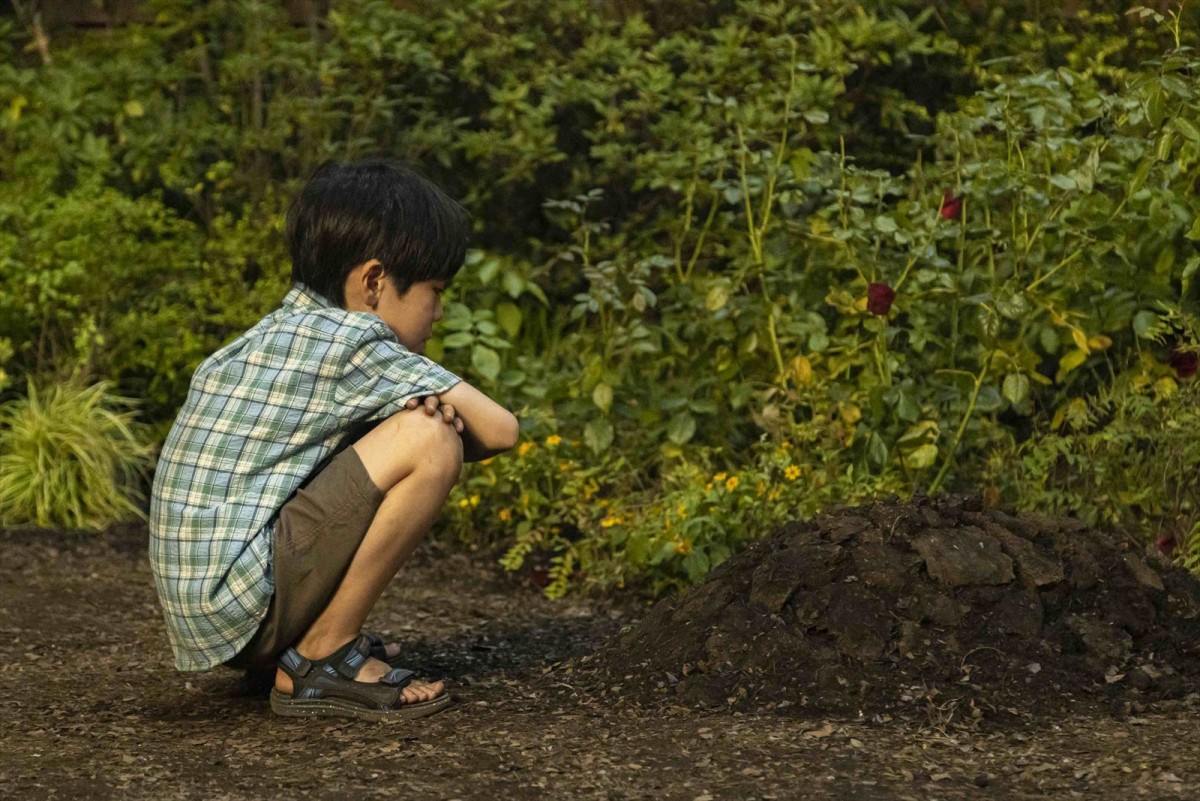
921	606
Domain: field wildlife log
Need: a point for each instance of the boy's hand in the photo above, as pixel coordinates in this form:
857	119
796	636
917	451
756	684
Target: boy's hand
433	406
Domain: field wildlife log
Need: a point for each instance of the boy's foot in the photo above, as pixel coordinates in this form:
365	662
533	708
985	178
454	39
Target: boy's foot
349	682
371	672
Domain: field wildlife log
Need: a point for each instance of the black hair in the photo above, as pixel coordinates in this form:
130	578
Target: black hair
349	213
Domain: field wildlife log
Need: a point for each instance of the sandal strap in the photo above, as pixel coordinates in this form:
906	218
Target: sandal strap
398	677
296	666
350	657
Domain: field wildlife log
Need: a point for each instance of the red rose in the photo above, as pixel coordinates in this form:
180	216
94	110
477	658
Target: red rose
951	206
1165	543
879	299
1185	363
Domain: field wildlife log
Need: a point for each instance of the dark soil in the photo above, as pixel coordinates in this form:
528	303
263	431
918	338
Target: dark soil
91	707
934	608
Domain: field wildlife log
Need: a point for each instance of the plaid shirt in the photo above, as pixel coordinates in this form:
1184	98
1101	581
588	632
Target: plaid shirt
262	413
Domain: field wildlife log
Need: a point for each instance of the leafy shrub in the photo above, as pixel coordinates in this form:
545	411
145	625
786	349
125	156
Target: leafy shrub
70	456
882	243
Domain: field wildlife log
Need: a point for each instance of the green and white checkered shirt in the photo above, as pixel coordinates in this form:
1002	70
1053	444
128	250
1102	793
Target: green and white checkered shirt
262	413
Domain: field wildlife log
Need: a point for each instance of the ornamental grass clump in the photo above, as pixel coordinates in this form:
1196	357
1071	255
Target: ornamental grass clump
70	456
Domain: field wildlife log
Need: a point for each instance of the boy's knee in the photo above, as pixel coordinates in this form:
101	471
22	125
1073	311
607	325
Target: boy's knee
441	447
409	442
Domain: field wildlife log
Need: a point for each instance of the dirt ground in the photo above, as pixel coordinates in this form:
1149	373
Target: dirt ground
91	708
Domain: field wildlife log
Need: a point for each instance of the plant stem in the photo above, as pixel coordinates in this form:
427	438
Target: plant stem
962	426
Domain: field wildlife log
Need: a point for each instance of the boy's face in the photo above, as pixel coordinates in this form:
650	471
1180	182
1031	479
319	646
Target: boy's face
411	316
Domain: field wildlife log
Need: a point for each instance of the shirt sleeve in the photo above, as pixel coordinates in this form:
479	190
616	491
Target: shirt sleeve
381	375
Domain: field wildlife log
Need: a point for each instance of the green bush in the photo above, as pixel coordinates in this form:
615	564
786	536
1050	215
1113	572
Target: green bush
680	212
70	456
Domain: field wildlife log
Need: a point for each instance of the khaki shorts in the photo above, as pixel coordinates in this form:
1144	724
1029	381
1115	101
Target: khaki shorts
319	531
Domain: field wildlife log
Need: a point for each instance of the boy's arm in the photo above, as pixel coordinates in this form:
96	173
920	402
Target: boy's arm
488	428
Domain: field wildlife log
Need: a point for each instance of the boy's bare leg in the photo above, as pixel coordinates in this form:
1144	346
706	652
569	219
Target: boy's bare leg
415	459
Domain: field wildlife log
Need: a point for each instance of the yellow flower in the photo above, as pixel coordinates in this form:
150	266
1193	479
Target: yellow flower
785	446
464	503
611	521
564	466
708	486
474	501
732	483
719	477
683	547
681	510
506	515
553	440
666	524
525	448
792	472
774	494
758	488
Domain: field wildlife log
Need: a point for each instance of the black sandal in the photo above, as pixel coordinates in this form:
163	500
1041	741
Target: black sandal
327	687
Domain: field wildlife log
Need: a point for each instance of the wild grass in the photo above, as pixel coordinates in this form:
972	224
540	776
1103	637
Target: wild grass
71	456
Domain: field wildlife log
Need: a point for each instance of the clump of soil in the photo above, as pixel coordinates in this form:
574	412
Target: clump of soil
921	606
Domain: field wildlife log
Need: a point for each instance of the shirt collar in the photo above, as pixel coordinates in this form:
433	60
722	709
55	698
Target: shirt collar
301	297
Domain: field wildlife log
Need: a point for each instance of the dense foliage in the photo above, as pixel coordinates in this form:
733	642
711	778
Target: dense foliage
731	265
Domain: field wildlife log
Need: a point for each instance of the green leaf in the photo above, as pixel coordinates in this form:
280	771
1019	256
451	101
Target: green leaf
1162	148
1143	321
681	428
1014	306
1194	234
1070	362
696	565
1187	128
509	316
1016	388
907	407
459	339
1064	182
1049	339
922	456
598	434
877	450
885	224
602	396
717	297
486	361
513	284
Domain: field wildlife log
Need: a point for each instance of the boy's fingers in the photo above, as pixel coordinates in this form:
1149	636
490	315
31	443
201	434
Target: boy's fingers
411	403
431	405
458	424
447	412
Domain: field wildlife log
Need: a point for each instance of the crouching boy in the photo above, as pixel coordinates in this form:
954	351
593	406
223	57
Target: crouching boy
314	452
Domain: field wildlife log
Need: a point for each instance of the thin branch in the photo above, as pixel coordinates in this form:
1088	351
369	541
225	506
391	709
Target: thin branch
31	15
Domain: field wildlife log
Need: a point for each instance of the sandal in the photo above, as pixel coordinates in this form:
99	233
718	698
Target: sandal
327	687
379	648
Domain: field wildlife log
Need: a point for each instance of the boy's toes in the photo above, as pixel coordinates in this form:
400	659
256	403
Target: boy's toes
419	691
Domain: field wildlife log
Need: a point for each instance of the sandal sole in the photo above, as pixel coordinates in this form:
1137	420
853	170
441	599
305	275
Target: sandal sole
287	706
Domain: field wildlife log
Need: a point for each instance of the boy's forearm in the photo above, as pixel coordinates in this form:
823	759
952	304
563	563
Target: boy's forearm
488	428
473	449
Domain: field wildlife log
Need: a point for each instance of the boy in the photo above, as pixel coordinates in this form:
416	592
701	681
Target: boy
314	451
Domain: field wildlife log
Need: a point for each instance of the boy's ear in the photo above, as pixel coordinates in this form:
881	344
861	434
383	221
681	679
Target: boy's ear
365	282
